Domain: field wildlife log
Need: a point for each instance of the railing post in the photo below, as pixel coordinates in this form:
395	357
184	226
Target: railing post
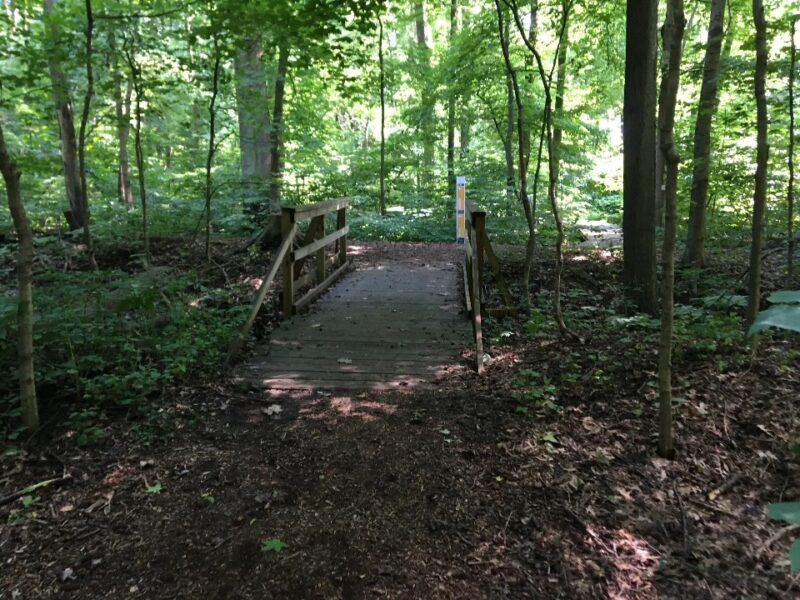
341	221
479	226
321	252
287	222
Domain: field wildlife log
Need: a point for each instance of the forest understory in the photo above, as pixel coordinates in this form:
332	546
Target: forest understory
539	479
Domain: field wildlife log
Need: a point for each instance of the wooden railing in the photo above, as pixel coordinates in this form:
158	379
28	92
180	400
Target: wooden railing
315	242
478	248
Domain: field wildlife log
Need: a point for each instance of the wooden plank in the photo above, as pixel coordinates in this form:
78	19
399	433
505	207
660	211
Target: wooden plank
312	233
476	316
474	209
320	208
315	292
503	311
334	385
287	224
318	368
467	298
236	347
320	243
341	223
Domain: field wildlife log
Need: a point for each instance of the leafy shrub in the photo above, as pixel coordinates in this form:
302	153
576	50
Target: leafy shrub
113	339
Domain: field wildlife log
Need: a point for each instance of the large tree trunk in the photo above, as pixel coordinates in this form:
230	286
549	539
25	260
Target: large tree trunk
66	123
451	112
252	104
273	225
382	64
762	157
695	237
672	34
27	381
639	139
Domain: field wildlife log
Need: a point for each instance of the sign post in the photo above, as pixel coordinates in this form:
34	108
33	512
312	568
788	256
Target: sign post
461	209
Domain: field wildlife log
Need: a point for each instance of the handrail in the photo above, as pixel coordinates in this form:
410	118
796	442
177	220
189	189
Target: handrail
236	346
477	247
315	243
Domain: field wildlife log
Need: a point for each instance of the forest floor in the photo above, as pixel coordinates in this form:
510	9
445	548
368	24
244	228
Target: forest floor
537	480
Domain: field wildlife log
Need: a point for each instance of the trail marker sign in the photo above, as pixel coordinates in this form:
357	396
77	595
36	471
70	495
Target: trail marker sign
461	209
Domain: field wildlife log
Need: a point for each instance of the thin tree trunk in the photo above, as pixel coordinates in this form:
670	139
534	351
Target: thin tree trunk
212	132
66	122
122	107
561	83
27	380
523	159
87	104
762	157
546	80
427	107
382	199
695	237
276	149
451	112
790	194
508	141
139	97
639	140
672	34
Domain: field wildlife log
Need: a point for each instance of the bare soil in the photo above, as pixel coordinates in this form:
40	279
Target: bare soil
451	493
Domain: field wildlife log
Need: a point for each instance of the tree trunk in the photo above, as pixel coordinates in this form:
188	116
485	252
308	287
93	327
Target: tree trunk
530	217
695	237
273	227
63	105
381	62
427	104
27	381
762	157
451	112
87	104
672	34
561	84
508	140
790	194
639	139
252	104
212	133
122	107
139	97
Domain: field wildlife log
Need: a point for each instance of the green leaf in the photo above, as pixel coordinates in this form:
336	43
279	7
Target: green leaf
273	545
785	297
154	489
550	438
785	511
782	316
794	556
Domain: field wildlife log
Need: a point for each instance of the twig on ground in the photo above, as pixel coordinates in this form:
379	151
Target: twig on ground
774	538
31	488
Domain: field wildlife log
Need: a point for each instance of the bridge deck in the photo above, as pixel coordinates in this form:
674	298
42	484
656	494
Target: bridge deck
394	323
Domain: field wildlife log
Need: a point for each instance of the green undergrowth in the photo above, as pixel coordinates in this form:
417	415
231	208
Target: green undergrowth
113	340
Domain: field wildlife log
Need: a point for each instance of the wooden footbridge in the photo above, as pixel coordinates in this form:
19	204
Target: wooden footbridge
400	320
